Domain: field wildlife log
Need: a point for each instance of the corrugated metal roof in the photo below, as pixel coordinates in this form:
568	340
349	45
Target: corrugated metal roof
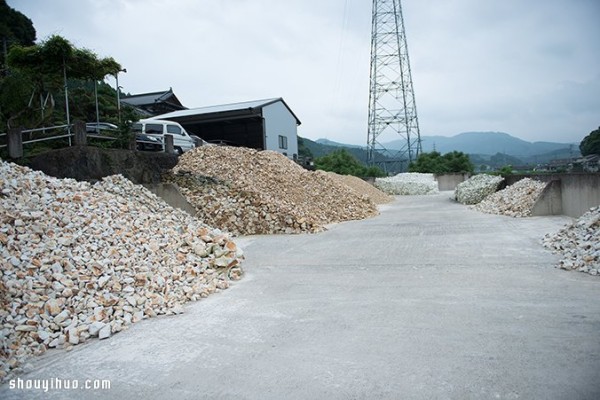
227	108
221	108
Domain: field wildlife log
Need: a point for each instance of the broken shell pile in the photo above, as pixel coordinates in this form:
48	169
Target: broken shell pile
408	183
362	188
79	261
477	188
516	200
246	191
578	243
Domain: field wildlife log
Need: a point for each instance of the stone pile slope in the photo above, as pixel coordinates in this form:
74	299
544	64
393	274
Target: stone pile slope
477	188
516	200
362	188
79	261
262	192
578	243
408	183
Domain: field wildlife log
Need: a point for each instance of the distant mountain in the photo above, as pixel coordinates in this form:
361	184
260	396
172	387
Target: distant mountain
488	143
328	142
323	147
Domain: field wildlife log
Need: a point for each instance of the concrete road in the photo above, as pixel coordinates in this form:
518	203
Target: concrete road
429	300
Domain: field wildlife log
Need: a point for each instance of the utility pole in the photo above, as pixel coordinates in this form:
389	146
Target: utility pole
392	106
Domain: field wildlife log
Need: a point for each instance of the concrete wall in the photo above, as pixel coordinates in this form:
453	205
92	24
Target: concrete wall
578	192
450	181
172	196
88	163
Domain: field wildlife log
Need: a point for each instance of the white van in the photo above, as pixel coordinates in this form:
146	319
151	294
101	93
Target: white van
182	141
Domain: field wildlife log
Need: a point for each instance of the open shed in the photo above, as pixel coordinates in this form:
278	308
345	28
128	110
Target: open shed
260	124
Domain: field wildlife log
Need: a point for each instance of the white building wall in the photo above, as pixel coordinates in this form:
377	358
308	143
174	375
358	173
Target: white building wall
279	121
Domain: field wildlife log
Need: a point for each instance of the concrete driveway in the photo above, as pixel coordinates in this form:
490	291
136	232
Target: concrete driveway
429	300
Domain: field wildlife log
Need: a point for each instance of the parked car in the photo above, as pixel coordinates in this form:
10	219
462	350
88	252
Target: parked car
182	141
98	127
143	142
148	143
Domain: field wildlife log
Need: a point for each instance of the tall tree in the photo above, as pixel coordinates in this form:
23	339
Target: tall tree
48	66
591	143
15	29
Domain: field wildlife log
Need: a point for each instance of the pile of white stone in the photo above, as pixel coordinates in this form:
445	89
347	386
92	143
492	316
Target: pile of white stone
516	200
408	183
79	261
477	188
578	243
246	191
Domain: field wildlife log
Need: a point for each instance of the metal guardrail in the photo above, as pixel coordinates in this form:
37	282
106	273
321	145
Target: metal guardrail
64	131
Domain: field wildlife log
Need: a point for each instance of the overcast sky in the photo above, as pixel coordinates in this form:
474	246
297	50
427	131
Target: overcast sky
530	68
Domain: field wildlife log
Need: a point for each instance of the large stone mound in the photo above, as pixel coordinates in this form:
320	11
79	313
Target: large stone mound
409	184
516	200
246	191
578	243
79	261
477	188
362	188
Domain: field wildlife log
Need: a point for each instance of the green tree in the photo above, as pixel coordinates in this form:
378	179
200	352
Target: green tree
458	161
42	70
435	163
344	163
15	29
591	143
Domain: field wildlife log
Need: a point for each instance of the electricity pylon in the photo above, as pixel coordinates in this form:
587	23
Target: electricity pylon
392	107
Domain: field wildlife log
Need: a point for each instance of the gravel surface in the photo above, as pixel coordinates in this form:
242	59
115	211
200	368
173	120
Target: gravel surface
246	191
578	243
80	261
516	200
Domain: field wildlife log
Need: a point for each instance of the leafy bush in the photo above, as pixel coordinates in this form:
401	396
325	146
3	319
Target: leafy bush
343	163
591	143
435	163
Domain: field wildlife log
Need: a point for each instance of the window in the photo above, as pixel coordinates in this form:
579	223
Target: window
174	129
282	142
154	129
136	127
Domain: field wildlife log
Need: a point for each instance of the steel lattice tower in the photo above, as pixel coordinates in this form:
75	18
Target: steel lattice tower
392	107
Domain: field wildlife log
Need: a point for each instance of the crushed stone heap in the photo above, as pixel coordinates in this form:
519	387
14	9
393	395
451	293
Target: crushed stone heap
516	200
477	188
362	188
246	192
408	183
578	243
79	261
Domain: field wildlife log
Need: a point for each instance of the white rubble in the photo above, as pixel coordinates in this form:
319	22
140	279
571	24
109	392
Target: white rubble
516	200
578	243
80	260
477	188
408	183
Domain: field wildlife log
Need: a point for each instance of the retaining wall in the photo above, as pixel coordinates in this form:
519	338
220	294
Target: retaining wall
450	181
571	194
172	196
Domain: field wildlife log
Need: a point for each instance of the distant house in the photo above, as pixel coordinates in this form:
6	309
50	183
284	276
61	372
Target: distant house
152	104
268	124
590	163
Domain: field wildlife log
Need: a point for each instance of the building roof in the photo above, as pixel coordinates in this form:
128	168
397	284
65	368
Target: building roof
156	102
245	107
